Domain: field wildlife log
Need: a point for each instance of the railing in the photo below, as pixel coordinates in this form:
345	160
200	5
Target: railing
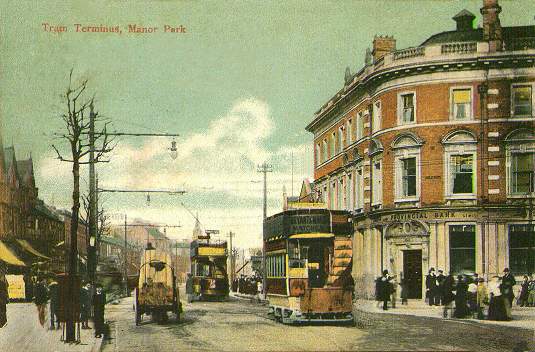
409	52
520	44
459	48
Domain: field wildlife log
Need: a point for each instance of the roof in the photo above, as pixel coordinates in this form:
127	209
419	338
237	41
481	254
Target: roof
464	13
155	233
475	35
25	169
116	241
42	208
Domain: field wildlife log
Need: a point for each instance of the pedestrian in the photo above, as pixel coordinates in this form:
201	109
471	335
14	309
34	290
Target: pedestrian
482	297
189	287
472	298
393	291
531	293
4	298
524	292
385	289
440	289
497	304
508	282
461	293
378	298
404	289
99	302
431	286
448	298
40	298
85	305
53	289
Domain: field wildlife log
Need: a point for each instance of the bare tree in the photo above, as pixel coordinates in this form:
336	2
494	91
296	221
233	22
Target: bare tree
76	134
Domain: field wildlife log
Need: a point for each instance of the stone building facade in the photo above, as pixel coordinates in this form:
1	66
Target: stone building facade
432	149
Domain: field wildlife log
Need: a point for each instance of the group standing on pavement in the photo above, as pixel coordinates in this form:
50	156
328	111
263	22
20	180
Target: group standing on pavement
462	296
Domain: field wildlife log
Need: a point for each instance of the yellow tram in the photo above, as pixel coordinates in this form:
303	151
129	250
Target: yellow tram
308	259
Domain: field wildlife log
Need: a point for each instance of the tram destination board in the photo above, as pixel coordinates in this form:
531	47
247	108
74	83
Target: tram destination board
295	222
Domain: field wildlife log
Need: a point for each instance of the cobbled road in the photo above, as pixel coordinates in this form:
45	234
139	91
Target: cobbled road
241	325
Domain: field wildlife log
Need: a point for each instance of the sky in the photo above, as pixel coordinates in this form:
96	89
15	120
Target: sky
239	86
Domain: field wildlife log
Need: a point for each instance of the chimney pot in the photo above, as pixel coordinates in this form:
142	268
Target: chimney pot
383	45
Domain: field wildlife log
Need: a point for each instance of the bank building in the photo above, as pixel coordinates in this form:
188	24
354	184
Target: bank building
431	149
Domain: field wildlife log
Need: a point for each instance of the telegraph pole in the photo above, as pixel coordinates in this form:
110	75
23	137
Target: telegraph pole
93	210
264	168
232	259
125	259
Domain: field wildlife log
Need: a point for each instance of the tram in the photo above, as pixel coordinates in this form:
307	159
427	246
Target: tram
209	270
308	256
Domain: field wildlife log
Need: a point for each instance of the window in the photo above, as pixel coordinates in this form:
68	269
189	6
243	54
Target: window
340	194
318	154
377	187
462	249
325	153
408	177
360	125
359	189
349	192
332	147
349	137
522	173
462	104
332	194
276	265
406	108
521	100
341	139
406	148
462	174
460	162
522	249
376	116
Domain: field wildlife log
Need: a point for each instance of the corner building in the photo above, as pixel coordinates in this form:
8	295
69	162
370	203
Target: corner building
432	149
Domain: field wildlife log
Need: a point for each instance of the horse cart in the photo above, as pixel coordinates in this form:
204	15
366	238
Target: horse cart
156	293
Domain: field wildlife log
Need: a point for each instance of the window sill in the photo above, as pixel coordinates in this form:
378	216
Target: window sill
400	123
521	196
461	197
461	120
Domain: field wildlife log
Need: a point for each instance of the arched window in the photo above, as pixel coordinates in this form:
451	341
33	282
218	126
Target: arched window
376	173
460	156
407	168
520	155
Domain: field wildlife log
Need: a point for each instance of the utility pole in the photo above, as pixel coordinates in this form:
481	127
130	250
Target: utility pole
93	210
125	259
232	259
264	168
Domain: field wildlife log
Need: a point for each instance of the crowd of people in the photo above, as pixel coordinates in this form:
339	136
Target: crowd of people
46	296
249	285
462	296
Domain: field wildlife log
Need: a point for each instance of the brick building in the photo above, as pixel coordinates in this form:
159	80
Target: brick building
432	150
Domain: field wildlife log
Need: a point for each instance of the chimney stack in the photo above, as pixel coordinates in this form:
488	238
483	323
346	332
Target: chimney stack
382	46
492	29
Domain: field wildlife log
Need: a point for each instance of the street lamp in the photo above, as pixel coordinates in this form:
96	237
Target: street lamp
174	152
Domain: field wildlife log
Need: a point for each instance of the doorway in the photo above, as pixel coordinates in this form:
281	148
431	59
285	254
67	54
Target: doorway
412	271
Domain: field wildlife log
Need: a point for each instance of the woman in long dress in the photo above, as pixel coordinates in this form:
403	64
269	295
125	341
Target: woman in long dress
461	295
497	303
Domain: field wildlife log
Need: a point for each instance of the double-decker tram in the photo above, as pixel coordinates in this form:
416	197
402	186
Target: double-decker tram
209	270
308	258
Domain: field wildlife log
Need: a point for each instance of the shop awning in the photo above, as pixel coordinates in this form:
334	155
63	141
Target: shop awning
8	256
312	235
28	247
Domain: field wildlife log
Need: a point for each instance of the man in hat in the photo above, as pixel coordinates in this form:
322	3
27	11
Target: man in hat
53	289
431	286
99	301
508	281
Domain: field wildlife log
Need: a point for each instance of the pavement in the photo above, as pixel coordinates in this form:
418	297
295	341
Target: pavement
241	324
523	317
24	333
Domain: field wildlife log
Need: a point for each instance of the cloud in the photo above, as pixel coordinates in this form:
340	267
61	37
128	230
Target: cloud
217	167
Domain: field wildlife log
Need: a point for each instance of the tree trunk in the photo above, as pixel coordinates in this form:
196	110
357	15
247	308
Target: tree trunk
70	331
